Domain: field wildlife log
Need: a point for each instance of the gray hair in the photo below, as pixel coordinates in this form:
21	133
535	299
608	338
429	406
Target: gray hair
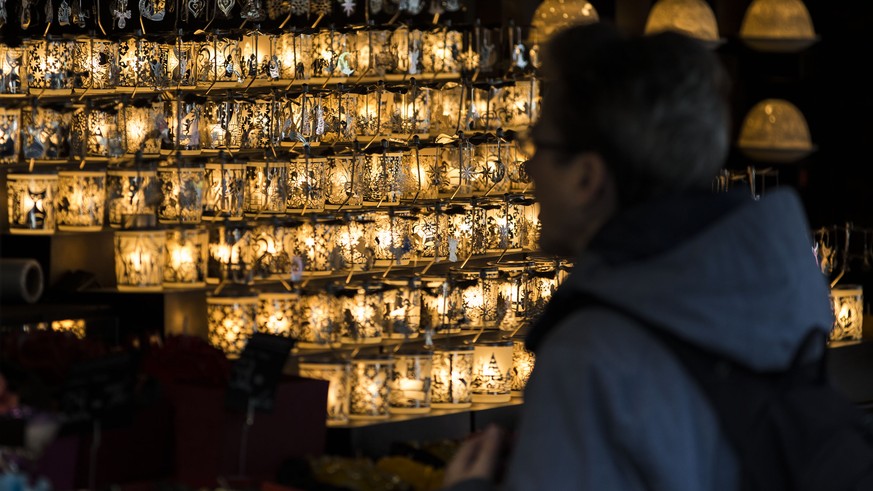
655	107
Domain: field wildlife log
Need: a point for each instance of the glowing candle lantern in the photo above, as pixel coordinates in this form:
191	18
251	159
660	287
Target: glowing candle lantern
519	104
186	257
315	247
441	51
219	61
452	377
140	128
370	387
505	223
181	63
355	238
402	307
392	237
278	313
46	133
10	138
130	192
522	366
258	59
318	326
96	133
410	50
465	235
94	63
142	63
361	313
516	161
383	174
492	370
81	200
139	259
474	295
418	167
429	234
344	181
182	189
266	187
435	295
376	55
333	54
31	200
341	112
446	113
270	249
410	112
222	125
11	75
338	374
230	254
482	109
231	321
541	282
410	382
76	327
49	63
489	169
306	184
295	55
848	303
184	127
256	125
456	171
511	294
224	191
373	114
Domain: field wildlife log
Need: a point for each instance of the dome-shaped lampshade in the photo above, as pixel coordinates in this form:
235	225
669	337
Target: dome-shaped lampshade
554	15
691	17
775	131
777	25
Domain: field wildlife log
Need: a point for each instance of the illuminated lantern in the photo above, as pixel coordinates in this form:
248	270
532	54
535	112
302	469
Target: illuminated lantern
97	134
848	304
402	307
341	111
318	326
452	377
219	62
361	311
271	257
76	327
142	64
333	54
182	189
256	125
46	133
410	50
258	58
530	225
370	389
32	203
411	112
81	200
435	294
410	382
315	247
344	181
373	114
222	126
456	172
447	114
184	127
295	54
441	49
492	370
522	366
139	259
690	17
278	313
392	237
231	321
465	233
418	168
306	185
429	234
383	174
49	63
775	130
355	238
474	297
266	187
140	128
376	55
338	374
224	191
489	169
94	63
511	294
130	192
181	63
186	257
565	267
520	105
11	74
10	138
230	253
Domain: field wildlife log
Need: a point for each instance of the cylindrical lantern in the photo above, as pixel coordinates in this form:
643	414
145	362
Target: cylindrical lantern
354	239
218	62
139	259
402	300
337	373
306	184
186	257
271	251
541	282
492	369
520	104
376	55
31	199
383	174
295	54
392	237
442	48
410	43
230	253
130	192
182	189
435	296
221	124
418	168
45	133
340	114
81	200
522	366
370	387
447	114
489	169
848	303
333	54
12	75
256	125
181	63
410	112
231	321
278	313
258	60
344	181
452	377
49	63
10	138
96	133
318	327
410	382
430	234
315	246
94	63
473	300
184	127
142	63
361	313
530	225
456	171
464	235
140	128
373	114
224	193
511	294
266	187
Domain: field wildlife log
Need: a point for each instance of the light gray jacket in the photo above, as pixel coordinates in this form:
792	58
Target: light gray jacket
608	407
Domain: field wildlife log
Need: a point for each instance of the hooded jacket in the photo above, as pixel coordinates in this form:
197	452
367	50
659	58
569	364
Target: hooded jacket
608	407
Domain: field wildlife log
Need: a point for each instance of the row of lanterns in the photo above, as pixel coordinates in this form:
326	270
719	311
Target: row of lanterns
59	63
501	296
86	200
414	382
194	125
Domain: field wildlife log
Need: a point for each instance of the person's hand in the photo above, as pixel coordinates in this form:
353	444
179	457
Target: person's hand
476	458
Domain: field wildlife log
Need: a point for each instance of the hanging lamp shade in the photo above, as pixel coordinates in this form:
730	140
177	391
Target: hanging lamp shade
777	26
554	15
694	18
775	130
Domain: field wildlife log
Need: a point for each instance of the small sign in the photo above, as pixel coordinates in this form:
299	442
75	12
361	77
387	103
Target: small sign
98	388
257	372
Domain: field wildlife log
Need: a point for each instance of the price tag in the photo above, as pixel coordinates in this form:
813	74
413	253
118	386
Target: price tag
99	388
256	373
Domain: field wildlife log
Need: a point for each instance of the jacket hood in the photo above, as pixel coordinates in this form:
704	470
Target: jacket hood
745	285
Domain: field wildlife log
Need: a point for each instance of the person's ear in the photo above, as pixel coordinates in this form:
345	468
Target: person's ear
589	177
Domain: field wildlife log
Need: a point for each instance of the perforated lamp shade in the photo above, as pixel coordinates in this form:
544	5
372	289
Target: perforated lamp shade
691	17
775	130
778	26
554	15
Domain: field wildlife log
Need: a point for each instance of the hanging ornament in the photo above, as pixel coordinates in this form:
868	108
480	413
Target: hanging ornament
64	13
225	6
348	6
49	12
320	7
253	11
79	14
121	13
414	7
300	7
152	9
196	7
25	14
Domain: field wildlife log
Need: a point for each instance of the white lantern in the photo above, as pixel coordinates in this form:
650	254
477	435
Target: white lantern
492	370
410	382
31	200
370	388
337	374
231	321
452	377
81	200
278	313
186	257
848	304
139	259
522	366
